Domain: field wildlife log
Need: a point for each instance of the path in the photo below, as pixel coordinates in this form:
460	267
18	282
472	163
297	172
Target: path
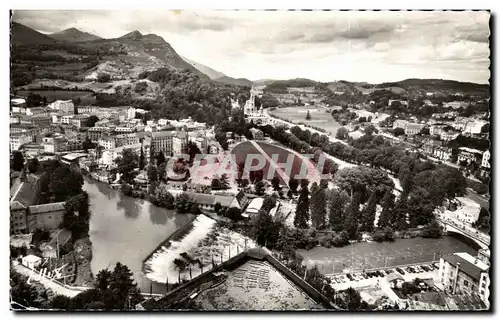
47	283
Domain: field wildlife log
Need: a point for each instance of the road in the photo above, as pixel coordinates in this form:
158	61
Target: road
47	283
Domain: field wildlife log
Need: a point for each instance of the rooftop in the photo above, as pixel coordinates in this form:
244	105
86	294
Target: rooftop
48	207
252	280
469	267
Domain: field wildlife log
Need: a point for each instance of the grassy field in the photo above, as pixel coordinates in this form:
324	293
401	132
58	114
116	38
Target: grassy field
86	97
320	117
280	154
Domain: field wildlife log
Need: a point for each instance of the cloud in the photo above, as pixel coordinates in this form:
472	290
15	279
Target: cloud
324	45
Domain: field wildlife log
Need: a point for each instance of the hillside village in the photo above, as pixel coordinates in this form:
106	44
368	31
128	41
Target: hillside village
147	128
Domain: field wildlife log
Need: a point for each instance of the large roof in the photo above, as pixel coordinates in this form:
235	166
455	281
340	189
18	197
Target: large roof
471	269
48	207
252	280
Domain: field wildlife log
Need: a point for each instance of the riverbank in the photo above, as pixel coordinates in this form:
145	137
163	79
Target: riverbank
83	259
196	248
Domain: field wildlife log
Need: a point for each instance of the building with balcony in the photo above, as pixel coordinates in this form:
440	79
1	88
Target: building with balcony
18	139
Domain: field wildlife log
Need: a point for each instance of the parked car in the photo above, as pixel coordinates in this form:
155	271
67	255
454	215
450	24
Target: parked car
426	268
400	270
379	273
389	271
382	272
410	269
436	265
349	277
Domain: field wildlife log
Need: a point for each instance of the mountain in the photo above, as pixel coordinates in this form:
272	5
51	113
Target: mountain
138	49
73	35
211	73
233	81
23	35
437	85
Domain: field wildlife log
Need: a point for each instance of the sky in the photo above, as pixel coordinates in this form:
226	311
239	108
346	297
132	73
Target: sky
372	47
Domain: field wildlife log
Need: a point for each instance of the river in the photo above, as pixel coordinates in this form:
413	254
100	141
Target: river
125	229
367	255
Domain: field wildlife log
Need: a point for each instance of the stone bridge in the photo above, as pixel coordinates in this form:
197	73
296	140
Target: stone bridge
452	226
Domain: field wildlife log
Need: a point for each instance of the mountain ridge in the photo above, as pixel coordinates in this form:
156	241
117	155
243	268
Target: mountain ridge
73	35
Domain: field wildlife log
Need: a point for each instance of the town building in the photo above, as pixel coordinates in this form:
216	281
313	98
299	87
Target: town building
443	153
66	119
126	139
79	120
36	120
161	141
66	106
18	139
448	134
96	133
474	127
45	216
88	109
108	142
131	113
17	218
179	143
463	273
413	128
400	124
485	162
436	129
468	211
469	155
125	129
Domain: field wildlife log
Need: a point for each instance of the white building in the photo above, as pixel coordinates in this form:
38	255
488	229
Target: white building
64	106
18	139
131	113
31	261
468	212
485	162
400	124
474	127
462	273
66	119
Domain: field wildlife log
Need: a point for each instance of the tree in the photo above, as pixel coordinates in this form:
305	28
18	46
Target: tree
308	116
385	218
126	163
293	184
342	133
162	171
152	173
103	77
216	185
17	163
142	160
60	302
33	165
87	144
260	188
234	213
217	207
163	197
405	176
195	208
433	230
224	182
183	203
351	217
160	158
335	211
398	132
318	201
193	150
301	218
264	230
275	182
368	214
21	291
370	130
91	121
352	300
